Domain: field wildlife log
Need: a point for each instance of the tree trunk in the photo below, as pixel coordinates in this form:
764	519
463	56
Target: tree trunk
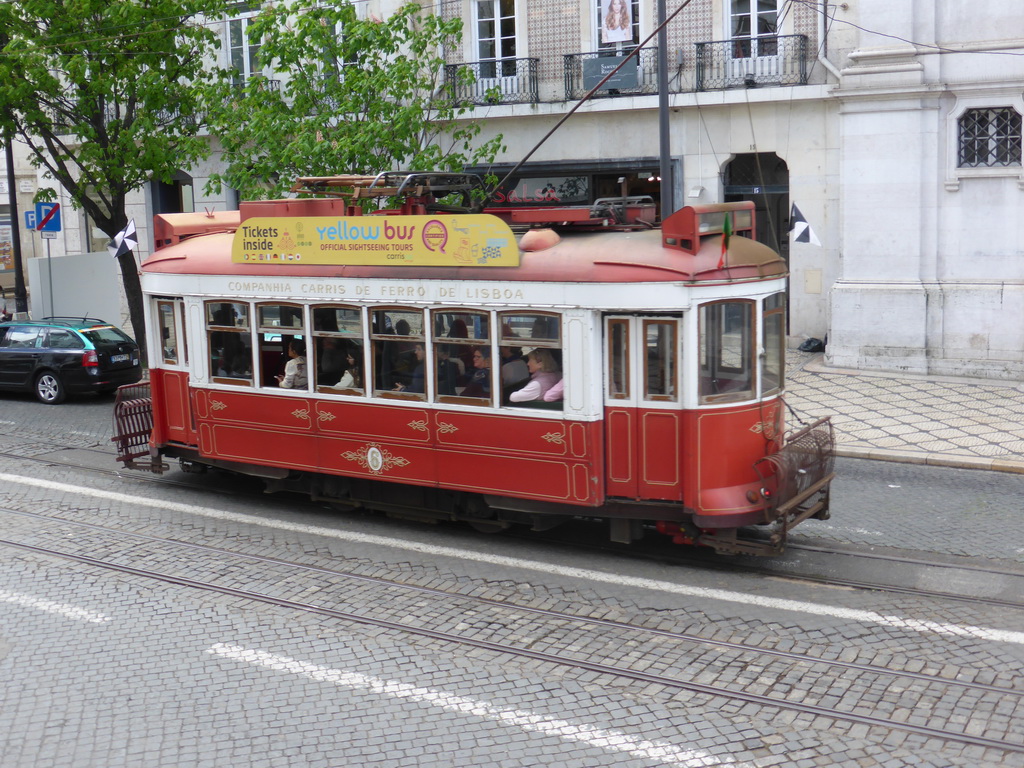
133	295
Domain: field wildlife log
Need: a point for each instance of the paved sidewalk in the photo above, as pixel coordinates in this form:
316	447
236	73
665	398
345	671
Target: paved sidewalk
941	420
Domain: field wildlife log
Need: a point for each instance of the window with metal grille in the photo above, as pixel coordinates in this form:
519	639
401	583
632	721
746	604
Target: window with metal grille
990	138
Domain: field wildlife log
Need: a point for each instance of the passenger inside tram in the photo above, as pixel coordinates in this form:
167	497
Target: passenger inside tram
449	370
546	329
555	394
513	367
459	330
416	383
330	361
405	358
480	382
352	378
294	376
544	374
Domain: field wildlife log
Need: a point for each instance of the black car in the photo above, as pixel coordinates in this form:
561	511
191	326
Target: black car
60	355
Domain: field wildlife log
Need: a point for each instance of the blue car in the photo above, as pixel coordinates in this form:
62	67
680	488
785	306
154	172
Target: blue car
56	356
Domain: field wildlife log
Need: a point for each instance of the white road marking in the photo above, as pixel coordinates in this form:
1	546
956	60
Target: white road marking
63	609
611	740
685	590
861	531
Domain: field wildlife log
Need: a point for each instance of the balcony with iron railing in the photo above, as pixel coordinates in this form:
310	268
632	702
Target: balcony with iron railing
638	75
751	62
258	82
494	81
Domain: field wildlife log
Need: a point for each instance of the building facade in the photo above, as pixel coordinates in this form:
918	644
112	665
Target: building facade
894	127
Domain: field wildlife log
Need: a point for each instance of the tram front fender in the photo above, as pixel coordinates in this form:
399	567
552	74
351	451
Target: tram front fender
731	506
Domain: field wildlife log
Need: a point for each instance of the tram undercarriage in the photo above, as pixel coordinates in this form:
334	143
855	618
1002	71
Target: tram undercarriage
796	483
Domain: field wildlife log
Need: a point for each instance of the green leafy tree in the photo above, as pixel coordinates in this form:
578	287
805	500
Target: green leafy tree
344	95
105	94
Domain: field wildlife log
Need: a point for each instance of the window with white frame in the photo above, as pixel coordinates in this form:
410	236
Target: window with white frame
242	52
496	37
753	27
990	138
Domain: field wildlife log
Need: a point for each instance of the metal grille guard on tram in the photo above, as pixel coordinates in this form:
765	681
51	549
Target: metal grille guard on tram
795	485
133	424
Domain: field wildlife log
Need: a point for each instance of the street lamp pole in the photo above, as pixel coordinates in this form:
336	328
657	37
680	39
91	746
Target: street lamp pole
665	140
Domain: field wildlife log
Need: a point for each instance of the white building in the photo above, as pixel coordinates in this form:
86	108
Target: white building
894	126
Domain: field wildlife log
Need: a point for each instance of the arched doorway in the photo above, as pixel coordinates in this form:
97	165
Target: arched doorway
762	178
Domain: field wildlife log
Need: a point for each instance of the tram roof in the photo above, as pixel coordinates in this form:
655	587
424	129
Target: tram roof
638	256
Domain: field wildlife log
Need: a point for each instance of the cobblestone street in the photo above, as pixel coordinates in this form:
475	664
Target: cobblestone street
184	626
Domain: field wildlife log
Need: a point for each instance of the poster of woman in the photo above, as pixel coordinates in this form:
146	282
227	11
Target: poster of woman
616	24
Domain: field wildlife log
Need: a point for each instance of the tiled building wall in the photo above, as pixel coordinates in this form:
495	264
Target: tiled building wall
557	27
553	28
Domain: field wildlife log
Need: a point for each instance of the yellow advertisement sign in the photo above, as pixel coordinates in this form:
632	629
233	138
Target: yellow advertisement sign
469	240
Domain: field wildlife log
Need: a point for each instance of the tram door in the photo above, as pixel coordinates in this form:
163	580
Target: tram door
172	375
643	418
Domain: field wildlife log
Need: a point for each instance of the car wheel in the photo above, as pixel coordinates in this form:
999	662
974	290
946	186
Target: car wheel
49	388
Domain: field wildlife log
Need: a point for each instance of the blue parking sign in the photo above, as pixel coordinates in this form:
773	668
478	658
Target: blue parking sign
47	217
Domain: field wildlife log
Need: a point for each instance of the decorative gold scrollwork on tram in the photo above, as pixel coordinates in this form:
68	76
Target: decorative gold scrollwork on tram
217	405
301	413
419	426
555	437
375	458
771	427
444	428
325	416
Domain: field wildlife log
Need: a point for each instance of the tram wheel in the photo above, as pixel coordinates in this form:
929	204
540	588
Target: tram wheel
475	511
489	526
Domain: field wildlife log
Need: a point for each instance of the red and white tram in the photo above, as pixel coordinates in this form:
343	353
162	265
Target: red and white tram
667	345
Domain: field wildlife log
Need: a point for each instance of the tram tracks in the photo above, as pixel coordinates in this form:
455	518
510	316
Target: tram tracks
672	643
817	564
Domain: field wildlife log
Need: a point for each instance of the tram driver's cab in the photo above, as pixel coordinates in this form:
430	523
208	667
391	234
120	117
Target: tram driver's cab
682	389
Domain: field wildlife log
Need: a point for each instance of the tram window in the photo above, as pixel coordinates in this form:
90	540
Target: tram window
773	343
168	334
278	326
275	316
230	342
536	337
337	361
397	343
618	359
462	354
660	359
726	351
346	321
